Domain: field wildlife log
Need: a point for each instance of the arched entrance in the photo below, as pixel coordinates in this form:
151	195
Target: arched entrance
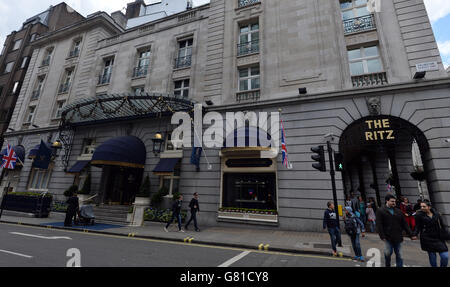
385	154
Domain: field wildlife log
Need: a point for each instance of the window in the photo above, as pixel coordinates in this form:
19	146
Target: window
105	77
249	79
30	115
143	63
181	89
169	145
38	89
33	37
365	60
9	67
138	90
17	44
353	9
48	57
24	62
67	81
88	147
171	182
58	109
16	88
184	54
39	178
75	51
248	39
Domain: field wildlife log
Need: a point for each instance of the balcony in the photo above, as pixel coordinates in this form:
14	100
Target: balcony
183	62
370	80
248	96
140	71
248	48
360	24
64	88
35	95
104	79
243	3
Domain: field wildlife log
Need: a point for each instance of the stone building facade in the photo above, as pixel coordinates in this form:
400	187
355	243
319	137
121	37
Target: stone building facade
331	67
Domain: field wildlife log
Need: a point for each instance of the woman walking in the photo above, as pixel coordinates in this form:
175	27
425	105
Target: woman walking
354	227
429	226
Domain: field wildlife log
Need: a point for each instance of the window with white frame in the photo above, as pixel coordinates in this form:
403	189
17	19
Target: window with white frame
17	44
16	88
30	114
8	67
248	39
33	37
249	79
365	60
171	182
105	77
184	53
48	56
39	178
67	81
181	88
39	85
353	9
58	109
76	46
138	90
143	62
88	146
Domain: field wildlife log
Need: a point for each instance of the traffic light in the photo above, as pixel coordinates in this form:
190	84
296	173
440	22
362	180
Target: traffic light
339	161
320	158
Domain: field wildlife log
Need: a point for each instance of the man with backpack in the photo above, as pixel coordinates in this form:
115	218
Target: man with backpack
354	227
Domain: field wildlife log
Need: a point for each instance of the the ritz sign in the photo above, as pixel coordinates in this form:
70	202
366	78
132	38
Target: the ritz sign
379	130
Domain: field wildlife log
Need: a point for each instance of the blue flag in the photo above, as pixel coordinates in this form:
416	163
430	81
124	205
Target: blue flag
195	157
43	157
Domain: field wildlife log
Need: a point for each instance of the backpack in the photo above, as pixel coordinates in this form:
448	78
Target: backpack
351	227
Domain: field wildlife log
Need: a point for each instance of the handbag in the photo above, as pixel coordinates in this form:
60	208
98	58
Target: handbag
444	235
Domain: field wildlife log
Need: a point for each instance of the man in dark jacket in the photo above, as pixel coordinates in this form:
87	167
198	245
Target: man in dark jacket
72	210
390	226
195	208
176	213
330	223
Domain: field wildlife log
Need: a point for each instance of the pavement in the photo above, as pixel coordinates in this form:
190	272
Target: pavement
238	237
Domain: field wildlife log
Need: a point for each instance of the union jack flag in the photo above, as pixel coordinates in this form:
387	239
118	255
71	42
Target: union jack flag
9	159
284	148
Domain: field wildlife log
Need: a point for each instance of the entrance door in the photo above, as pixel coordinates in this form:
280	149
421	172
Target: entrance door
122	185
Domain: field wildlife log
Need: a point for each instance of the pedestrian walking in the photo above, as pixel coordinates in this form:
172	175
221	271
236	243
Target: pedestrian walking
330	223
373	204
176	214
408	212
195	209
355	204
371	217
417	206
432	234
390	224
354	228
72	210
362	210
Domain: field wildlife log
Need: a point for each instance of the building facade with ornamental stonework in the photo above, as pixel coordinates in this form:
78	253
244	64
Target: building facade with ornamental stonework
372	83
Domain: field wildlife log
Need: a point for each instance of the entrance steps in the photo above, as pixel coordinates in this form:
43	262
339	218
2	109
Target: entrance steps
111	214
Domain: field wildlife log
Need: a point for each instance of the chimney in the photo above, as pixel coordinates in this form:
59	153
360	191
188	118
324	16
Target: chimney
134	9
120	18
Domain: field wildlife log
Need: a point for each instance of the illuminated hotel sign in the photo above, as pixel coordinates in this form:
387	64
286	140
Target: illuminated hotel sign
379	129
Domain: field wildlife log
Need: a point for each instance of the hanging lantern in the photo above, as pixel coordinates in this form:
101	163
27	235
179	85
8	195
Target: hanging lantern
157	143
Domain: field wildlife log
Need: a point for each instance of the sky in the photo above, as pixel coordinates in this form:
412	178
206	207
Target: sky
12	15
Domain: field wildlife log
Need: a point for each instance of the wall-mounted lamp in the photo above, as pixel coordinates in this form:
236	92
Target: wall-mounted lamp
419	75
302	91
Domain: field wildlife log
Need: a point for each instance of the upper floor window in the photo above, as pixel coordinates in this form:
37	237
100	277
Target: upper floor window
181	88
40	178
354	9
38	88
249	79
184	53
33	37
24	62
248	39
8	67
58	109
76	47
365	60
138	90
17	44
105	77
30	114
88	146
16	88
67	81
47	57
143	63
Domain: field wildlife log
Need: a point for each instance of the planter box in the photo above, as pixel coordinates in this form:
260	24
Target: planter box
39	206
248	216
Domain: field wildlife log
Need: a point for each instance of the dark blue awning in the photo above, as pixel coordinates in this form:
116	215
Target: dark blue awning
166	166
79	166
20	153
34	151
126	151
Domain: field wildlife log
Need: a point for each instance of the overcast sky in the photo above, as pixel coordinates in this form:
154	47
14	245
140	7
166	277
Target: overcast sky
14	12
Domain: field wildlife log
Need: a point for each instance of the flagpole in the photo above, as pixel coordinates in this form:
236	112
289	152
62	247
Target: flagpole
289	165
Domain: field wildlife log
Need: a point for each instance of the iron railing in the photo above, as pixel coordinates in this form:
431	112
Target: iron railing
359	24
248	48
370	80
243	3
183	62
140	71
248	96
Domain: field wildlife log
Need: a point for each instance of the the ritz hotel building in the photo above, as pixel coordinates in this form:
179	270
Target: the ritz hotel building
374	82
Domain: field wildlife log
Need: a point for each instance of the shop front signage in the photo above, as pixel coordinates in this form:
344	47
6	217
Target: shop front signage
379	130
